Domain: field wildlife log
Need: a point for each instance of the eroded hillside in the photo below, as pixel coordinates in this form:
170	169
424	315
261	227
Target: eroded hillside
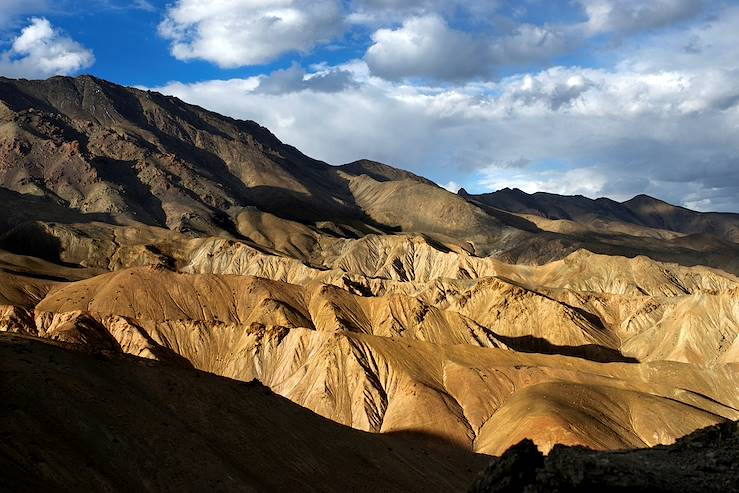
152	233
626	358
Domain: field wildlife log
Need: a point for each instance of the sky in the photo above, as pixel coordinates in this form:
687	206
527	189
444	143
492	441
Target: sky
594	97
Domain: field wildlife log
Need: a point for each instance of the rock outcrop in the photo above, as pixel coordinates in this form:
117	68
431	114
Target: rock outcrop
706	460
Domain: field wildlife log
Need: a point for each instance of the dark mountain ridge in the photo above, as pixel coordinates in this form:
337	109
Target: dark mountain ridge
641	210
116	156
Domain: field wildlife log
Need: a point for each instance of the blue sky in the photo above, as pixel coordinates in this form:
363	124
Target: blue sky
594	97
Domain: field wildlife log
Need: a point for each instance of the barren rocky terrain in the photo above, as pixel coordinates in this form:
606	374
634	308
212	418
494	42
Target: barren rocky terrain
705	460
155	256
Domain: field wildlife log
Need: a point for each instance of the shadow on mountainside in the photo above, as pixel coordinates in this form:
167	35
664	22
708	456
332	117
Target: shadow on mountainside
96	420
591	352
308	209
31	240
124	175
19	208
688	251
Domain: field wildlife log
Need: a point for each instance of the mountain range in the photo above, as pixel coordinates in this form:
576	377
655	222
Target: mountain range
155	255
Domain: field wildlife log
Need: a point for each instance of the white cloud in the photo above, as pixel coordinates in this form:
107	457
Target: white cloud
10	9
144	5
555	88
41	51
452	186
528	43
663	128
578	181
711	44
376	12
424	44
518	163
427	46
627	16
295	79
234	33
411	38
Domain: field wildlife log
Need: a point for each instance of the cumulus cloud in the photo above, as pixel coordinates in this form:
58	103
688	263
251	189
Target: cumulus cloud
428	47
625	16
528	42
10	9
41	51
373	12
579	181
295	79
551	88
424	44
518	163
234	33
452	186
412	38
665	126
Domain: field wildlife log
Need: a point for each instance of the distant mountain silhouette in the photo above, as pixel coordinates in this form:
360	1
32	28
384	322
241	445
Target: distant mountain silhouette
641	210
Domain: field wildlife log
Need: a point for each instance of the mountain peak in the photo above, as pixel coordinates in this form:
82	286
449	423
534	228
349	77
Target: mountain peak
381	172
642	197
642	211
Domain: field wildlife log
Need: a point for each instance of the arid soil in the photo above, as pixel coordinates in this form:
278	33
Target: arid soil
183	295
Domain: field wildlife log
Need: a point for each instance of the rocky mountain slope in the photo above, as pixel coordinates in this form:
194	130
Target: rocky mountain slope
85	151
620	369
175	241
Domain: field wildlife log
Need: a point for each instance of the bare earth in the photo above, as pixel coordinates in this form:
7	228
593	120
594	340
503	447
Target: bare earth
187	303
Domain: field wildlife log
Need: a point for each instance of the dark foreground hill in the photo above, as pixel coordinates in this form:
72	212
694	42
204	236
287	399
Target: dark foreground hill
96	421
706	460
